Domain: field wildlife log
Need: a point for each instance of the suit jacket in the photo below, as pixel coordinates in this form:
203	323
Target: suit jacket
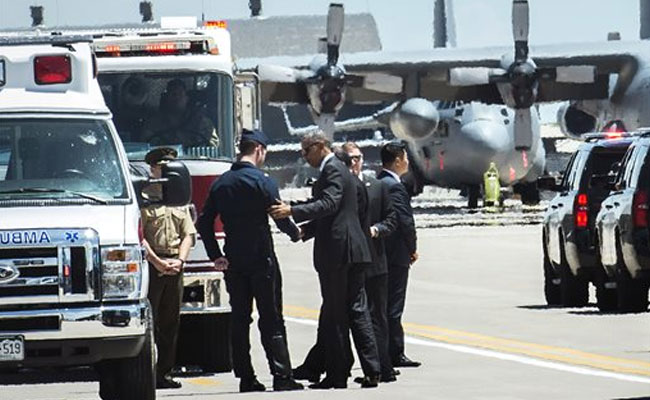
335	226
382	215
403	242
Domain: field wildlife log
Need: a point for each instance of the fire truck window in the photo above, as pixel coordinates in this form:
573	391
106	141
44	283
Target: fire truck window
188	111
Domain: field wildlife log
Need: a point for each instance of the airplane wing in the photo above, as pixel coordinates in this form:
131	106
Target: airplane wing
573	71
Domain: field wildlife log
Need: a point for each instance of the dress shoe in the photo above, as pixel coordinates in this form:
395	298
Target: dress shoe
281	384
370	381
329	384
251	385
167	383
404	361
387	378
301	373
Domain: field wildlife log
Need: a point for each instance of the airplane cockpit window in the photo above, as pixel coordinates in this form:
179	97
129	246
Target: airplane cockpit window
191	112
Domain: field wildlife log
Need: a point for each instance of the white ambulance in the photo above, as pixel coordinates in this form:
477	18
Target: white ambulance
73	279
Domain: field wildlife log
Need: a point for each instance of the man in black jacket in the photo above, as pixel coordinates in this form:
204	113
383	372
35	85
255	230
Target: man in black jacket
380	221
339	243
241	197
401	248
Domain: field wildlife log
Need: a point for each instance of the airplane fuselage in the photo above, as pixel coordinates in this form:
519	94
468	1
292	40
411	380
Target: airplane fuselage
471	136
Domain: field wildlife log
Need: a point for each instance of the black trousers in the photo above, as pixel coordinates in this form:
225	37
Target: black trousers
165	297
360	324
397	280
263	285
377	293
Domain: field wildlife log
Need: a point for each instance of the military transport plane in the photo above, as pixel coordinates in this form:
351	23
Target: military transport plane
605	82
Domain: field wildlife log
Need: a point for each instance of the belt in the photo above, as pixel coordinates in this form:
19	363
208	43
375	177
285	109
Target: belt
167	255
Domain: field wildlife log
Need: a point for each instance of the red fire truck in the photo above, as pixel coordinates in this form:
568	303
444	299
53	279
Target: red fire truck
178	87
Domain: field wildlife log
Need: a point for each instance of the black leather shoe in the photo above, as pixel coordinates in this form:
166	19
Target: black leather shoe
387	378
370	382
328	383
404	361
286	384
301	373
168	383
251	385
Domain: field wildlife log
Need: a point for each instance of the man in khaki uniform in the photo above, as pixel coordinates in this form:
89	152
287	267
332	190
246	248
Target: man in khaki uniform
169	234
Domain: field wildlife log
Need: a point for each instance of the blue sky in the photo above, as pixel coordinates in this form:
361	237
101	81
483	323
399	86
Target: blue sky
405	24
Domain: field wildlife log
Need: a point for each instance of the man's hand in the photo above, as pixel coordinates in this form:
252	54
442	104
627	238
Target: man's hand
414	257
279	210
221	264
175	266
374	232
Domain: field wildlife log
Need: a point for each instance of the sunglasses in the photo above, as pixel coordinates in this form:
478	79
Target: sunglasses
307	149
356	158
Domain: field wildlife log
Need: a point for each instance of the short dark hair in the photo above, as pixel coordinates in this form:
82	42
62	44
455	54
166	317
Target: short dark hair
247	147
342	155
314	138
349	146
392	151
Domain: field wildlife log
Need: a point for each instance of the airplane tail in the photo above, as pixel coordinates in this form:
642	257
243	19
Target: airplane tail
444	27
644	19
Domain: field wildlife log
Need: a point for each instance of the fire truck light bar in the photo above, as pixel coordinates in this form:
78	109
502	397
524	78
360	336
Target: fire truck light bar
216	24
151	48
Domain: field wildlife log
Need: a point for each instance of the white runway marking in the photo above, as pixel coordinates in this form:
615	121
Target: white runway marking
506	357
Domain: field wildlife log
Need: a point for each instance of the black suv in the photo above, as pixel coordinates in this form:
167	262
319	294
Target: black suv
622	228
570	255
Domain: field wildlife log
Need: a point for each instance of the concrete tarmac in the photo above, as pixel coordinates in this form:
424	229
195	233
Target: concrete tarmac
475	317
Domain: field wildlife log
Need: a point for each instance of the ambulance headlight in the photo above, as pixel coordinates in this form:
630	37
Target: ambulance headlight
122	272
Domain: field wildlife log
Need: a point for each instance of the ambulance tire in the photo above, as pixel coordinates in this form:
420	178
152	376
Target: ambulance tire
131	378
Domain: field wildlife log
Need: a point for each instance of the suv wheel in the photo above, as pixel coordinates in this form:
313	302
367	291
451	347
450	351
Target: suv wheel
551	279
632	294
574	290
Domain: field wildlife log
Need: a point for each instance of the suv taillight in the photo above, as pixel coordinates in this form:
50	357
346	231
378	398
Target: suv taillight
50	70
581	209
640	209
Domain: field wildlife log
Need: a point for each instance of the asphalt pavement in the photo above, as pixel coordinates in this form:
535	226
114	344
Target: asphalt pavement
475	317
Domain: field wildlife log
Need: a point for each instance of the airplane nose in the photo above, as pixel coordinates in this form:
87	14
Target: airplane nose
483	142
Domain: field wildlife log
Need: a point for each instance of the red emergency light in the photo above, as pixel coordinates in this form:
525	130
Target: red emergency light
216	24
165	47
50	70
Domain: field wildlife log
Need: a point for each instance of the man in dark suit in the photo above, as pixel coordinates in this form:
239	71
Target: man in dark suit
401	248
380	221
339	243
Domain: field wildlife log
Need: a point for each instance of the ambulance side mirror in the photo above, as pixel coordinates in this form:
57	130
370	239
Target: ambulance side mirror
173	189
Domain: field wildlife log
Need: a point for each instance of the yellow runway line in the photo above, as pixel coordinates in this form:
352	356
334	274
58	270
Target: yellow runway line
510	346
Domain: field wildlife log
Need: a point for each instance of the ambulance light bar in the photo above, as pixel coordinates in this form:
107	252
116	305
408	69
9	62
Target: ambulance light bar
49	70
54	40
177	47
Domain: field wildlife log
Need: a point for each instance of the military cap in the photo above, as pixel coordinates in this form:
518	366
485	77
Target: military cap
159	154
254	136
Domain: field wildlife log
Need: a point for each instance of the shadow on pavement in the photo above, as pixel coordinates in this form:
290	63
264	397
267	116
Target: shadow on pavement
27	376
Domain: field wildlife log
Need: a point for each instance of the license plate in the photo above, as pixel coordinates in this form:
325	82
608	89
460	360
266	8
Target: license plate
12	348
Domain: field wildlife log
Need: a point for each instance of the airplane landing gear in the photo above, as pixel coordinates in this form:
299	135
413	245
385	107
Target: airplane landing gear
528	192
473	194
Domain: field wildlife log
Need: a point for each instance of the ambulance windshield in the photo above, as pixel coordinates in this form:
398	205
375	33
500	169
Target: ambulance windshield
190	111
75	159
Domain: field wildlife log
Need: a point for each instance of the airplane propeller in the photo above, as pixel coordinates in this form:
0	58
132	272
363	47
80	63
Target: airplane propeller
522	75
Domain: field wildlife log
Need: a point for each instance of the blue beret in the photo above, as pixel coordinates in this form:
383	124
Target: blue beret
254	136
